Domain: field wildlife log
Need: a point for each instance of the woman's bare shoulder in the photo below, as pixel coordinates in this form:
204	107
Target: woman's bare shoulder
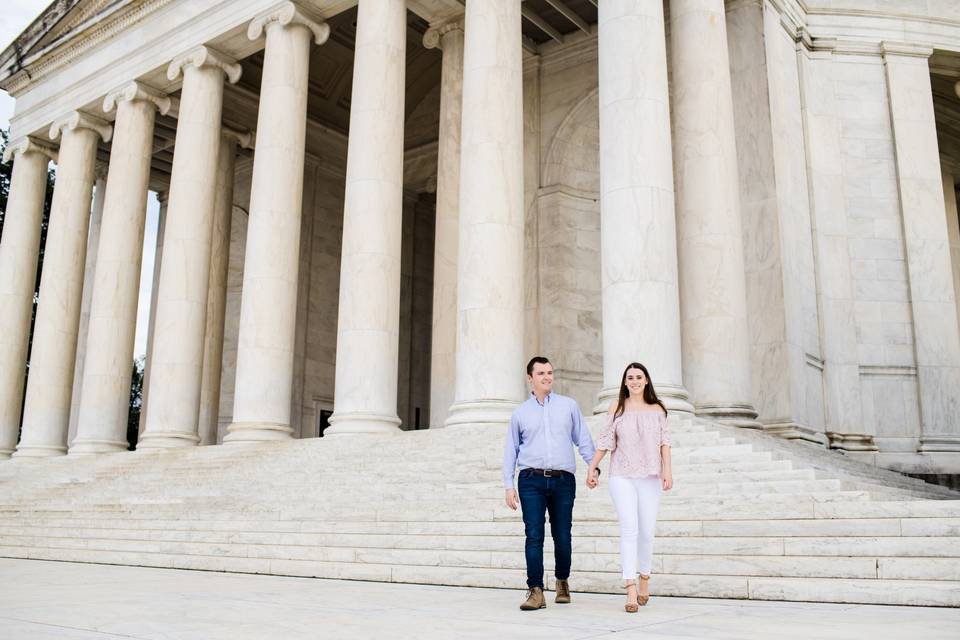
613	406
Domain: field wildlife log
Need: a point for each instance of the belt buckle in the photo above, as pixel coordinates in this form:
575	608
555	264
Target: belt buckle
548	473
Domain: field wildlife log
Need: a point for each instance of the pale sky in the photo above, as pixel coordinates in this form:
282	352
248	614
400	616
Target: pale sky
15	16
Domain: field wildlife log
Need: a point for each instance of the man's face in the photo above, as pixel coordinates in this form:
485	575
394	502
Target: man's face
542	378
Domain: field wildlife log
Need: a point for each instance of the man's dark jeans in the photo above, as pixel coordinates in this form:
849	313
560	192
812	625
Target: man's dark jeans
553	495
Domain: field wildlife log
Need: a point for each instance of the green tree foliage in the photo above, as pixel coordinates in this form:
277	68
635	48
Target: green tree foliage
136	402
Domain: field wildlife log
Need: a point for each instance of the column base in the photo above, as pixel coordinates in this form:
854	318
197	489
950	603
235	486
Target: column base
674	397
87	447
245	432
851	441
362	422
39	451
167	440
481	412
737	414
5	454
944	444
789	430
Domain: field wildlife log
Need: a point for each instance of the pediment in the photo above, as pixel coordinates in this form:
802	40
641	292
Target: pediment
61	23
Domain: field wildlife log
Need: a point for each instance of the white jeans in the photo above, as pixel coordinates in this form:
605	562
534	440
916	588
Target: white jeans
636	501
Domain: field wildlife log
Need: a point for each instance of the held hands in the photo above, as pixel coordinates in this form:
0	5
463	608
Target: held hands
511	499
593	476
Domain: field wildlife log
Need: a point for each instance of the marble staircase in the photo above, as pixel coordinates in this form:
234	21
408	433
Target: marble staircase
752	516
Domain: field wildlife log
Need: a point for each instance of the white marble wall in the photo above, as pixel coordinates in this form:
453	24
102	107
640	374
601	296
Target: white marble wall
778	253
877	260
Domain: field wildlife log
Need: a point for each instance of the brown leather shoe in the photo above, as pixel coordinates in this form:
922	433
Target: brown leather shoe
535	600
563	592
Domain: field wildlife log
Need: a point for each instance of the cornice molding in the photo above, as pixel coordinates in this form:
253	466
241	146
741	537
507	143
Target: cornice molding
80	120
134	90
61	53
891	48
286	14
204	56
28	144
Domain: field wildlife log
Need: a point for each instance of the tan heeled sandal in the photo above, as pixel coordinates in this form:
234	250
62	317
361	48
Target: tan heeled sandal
645	598
630	607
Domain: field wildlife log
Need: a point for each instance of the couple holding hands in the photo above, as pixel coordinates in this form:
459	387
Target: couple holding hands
540	440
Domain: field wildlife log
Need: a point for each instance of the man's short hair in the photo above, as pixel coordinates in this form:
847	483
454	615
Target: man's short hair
536	360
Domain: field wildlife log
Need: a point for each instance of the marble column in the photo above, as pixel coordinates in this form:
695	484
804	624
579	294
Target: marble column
639	290
368	323
935	329
46	413
490	294
105	393
953	227
93	239
713	299
268	307
443	353
178	342
19	251
217	284
162	199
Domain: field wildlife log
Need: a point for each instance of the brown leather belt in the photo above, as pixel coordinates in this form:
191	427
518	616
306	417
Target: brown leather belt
548	473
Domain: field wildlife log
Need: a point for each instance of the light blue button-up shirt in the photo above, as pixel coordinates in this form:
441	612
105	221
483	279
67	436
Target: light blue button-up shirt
542	436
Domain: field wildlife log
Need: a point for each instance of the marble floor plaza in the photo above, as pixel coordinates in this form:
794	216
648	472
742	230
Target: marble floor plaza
370	214
67	601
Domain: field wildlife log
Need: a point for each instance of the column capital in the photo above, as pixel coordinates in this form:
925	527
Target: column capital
134	90
285	14
29	144
244	139
81	120
433	38
205	56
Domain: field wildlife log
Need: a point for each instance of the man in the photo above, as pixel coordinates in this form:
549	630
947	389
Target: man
543	431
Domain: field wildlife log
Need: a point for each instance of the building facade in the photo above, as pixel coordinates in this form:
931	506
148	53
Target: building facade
373	213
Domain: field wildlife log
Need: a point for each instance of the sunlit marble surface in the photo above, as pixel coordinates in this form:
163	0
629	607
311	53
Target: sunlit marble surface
40	600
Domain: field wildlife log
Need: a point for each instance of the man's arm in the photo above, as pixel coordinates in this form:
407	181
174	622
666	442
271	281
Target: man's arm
581	435
511	448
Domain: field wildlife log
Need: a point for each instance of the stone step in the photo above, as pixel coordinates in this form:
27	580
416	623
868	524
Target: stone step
814	589
856	527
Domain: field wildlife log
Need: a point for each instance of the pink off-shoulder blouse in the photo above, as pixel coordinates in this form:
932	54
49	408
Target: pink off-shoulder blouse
633	440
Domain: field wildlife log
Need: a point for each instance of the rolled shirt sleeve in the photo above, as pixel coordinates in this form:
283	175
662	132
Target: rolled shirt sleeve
581	435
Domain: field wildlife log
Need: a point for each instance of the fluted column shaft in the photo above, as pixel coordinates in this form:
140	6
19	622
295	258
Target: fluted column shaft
93	239
105	394
217	288
18	276
177	367
713	299
268	308
443	351
490	302
46	414
368	325
640	299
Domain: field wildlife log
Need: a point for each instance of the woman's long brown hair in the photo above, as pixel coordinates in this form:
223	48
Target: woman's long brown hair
649	394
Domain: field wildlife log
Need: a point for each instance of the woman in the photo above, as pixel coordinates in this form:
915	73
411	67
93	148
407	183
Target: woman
638	440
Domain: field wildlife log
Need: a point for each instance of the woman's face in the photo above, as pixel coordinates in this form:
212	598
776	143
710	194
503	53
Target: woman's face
635	382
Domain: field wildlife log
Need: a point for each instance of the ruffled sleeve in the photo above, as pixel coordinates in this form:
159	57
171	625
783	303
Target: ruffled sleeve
608	436
664	432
